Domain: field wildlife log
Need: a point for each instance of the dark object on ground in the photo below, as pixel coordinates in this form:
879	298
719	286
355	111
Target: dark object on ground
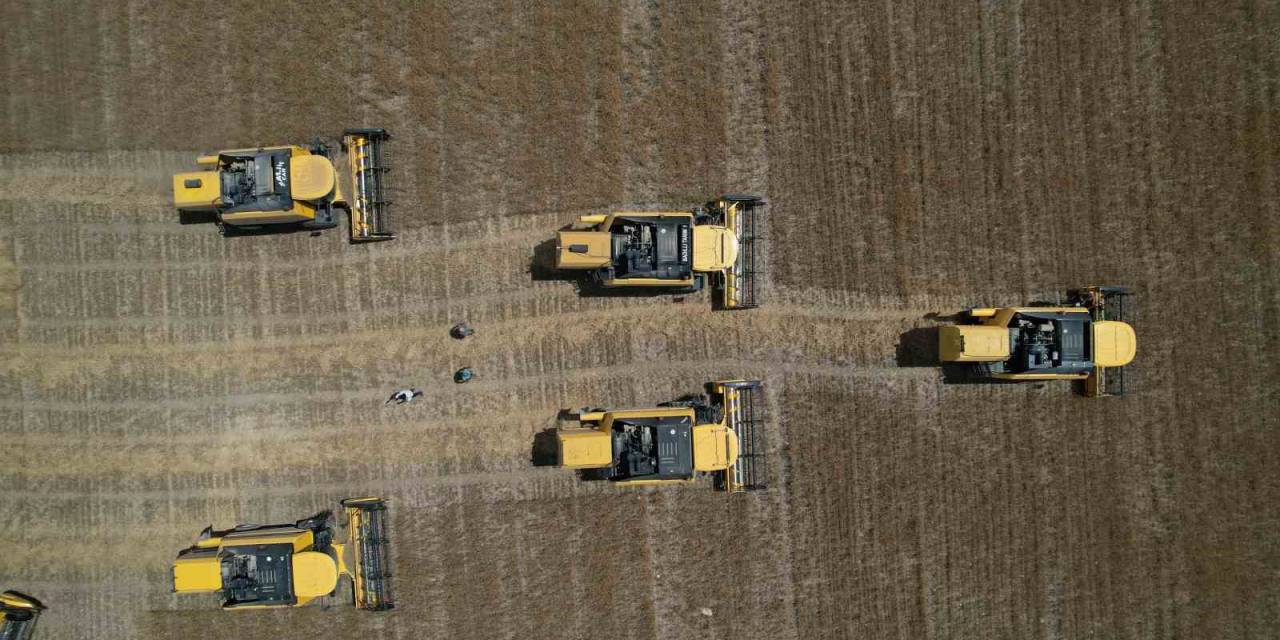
462	375
461	330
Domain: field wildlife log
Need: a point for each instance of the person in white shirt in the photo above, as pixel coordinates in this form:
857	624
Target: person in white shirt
402	396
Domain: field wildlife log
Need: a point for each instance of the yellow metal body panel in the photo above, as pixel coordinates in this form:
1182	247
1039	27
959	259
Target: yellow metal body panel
299	538
1040	376
585	448
205	195
1006	313
300	212
340	556
598	244
197	575
642	483
15	600
311	177
655	412
1114	343
714	248
208	543
648	214
715	447
648	282
973	343
593	219
314	574
292	148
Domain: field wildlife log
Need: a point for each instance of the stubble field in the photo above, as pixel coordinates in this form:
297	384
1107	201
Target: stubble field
919	158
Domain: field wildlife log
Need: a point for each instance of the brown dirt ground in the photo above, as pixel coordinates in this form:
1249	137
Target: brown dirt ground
919	158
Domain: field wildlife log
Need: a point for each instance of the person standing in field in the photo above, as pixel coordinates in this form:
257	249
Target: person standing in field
402	396
461	330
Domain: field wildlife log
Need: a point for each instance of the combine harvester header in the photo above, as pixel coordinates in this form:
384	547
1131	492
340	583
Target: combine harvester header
737	284
366	162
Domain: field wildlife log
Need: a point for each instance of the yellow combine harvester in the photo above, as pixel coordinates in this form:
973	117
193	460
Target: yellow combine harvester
672	250
289	565
19	615
1085	340
291	188
721	433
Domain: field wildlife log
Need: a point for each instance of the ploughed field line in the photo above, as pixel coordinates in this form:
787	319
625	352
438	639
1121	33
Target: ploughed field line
131	276
249	372
360	457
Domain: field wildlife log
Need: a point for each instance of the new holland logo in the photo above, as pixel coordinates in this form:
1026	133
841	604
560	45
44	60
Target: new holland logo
684	244
282	173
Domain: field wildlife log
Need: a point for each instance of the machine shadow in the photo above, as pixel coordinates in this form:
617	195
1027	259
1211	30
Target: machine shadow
546	449
918	347
965	373
542	266
197	217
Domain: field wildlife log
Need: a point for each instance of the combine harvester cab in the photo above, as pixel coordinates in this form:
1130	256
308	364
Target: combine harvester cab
18	615
719	434
671	251
291	188
289	565
1085	340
